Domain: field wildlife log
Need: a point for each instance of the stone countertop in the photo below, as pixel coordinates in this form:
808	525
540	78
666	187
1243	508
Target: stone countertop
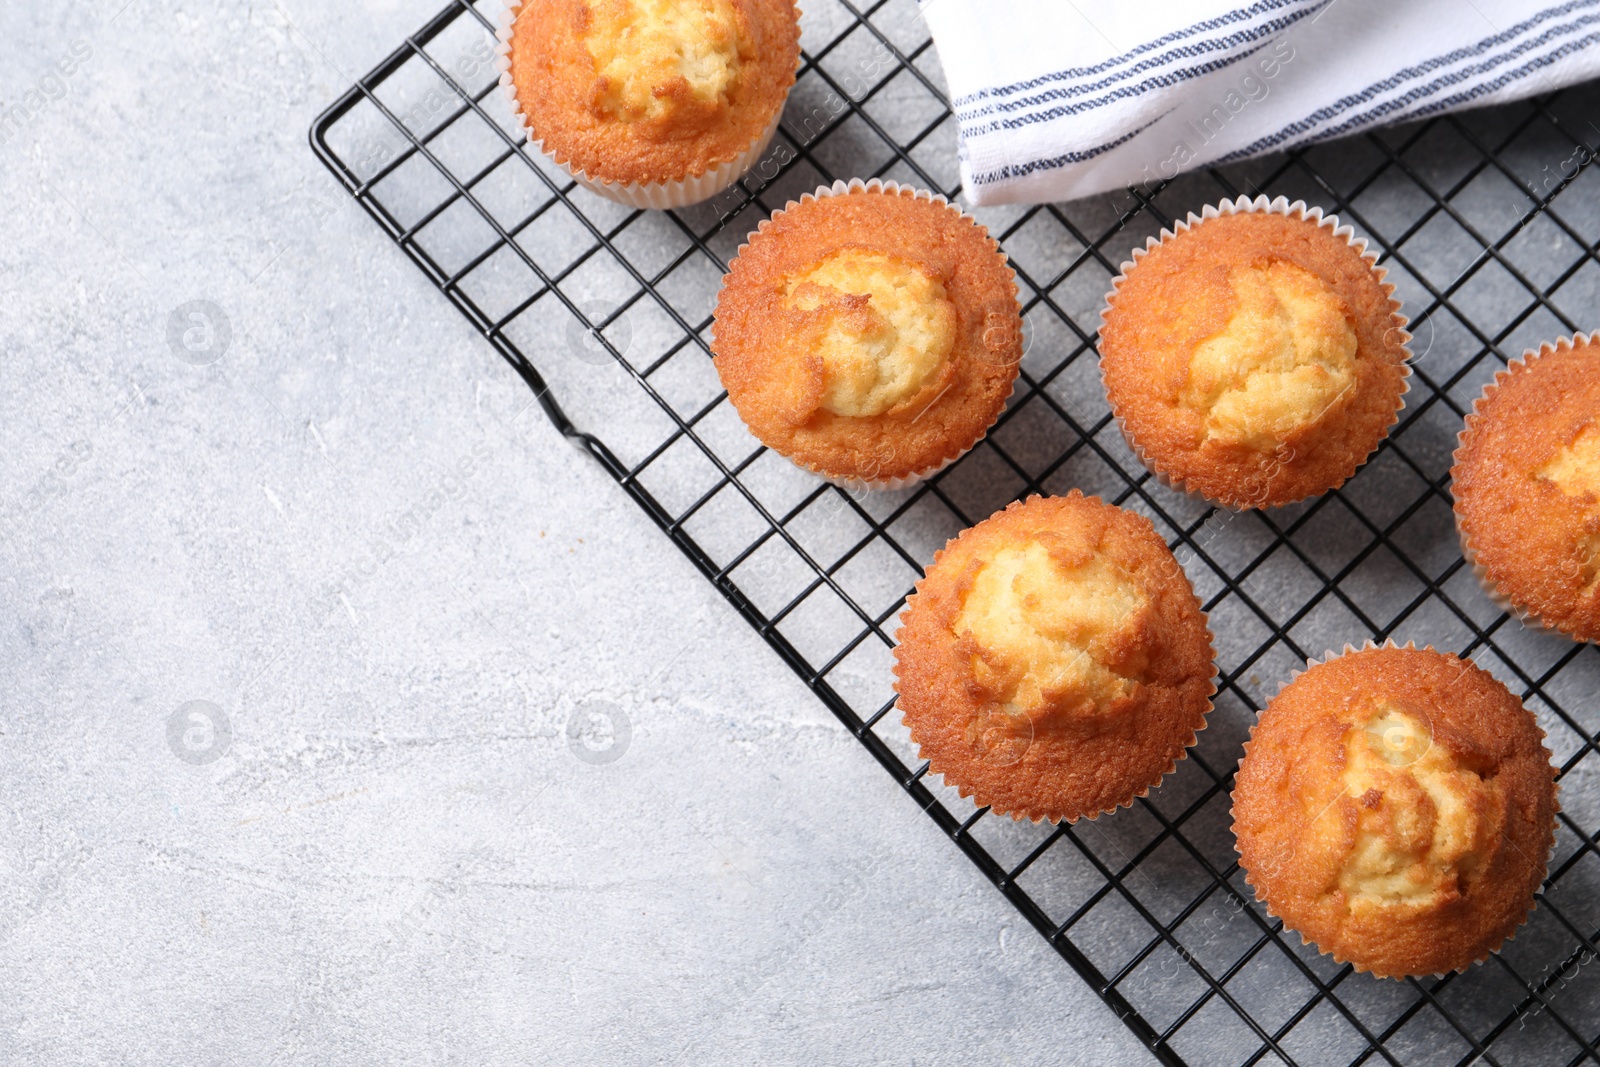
397	855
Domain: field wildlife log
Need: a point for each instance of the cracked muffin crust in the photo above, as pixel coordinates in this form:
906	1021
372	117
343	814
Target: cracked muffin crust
871	333
1526	484
1255	356
1396	807
642	92
1054	663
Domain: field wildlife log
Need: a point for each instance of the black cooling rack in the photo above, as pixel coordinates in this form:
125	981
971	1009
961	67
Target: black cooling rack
1488	223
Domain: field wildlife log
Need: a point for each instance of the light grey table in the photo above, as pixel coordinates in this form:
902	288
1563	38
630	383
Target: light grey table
397	855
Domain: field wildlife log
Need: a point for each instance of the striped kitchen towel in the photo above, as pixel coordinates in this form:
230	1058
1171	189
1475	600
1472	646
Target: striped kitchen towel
1058	99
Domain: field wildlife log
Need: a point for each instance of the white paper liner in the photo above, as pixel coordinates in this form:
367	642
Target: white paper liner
659	195
1194	736
1327	657
1278	206
894	188
1522	613
889	485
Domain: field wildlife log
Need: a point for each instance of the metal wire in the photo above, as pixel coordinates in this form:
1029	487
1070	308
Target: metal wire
1148	906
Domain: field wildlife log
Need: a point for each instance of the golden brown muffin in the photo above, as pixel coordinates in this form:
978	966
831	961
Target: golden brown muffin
1255	357
640	92
1396	808
1054	662
871	333
1527	487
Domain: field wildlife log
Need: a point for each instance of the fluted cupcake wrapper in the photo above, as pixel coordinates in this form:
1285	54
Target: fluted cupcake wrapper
1261	205
692	189
1316	661
886	485
892	188
1328	655
1522	613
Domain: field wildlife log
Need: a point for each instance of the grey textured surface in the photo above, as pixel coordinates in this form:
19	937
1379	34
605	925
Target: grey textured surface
401	856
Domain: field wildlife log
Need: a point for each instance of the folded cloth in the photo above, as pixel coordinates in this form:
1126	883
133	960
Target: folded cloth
1057	99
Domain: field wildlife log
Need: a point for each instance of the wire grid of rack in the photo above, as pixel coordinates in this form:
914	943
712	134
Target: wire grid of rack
1487	222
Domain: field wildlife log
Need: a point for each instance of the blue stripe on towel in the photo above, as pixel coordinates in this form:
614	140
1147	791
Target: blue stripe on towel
1238	15
1321	115
1217	44
1126	92
1386	110
1478	90
1022	170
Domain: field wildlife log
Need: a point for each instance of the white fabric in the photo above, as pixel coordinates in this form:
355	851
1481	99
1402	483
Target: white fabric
1063	98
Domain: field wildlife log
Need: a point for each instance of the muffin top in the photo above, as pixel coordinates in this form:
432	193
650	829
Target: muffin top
1256	357
869	334
643	91
1396	808
1527	486
1054	662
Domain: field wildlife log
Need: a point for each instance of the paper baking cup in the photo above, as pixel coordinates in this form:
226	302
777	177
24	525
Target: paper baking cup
1036	816
1522	613
1328	656
893	188
1261	205
885	485
658	195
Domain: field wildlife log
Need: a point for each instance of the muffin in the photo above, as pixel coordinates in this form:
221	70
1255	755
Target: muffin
1396	808
1054	663
1254	356
653	103
871	333
1527	488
